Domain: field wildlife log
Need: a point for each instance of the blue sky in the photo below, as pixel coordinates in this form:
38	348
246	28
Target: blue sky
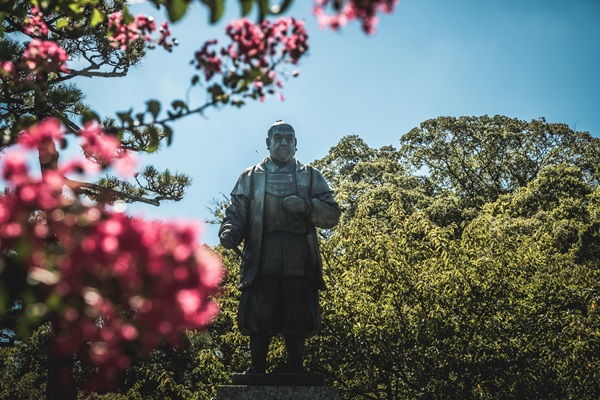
523	59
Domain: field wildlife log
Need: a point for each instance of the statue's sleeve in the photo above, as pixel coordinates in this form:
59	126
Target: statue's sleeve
236	214
325	211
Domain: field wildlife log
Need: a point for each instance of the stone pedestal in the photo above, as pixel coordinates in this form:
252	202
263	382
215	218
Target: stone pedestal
277	387
241	392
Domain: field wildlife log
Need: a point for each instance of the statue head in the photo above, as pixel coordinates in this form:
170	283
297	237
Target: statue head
281	142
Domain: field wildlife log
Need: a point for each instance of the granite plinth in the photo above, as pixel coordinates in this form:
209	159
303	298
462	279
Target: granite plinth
278	379
242	392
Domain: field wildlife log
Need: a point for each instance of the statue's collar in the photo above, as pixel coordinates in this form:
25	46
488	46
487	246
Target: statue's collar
269	166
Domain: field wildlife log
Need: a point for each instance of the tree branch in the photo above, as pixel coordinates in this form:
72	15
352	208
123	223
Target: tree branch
97	192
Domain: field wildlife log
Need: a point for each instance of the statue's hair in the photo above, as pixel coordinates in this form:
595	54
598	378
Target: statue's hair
279	124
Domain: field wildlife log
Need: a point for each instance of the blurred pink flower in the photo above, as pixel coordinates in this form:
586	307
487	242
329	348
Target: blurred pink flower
45	56
41	133
107	261
349	10
36	24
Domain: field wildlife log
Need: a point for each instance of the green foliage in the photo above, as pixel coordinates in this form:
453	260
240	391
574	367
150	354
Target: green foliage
432	293
23	367
481	158
426	301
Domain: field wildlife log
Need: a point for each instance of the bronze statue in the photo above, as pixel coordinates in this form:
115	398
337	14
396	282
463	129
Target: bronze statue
275	207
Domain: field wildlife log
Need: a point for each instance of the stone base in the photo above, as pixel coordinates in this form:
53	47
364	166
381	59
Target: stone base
242	392
278	379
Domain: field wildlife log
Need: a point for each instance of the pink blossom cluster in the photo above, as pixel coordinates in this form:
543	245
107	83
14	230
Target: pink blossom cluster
349	10
105	150
208	60
7	68
163	40
122	34
254	44
255	50
40	58
35	25
45	56
122	282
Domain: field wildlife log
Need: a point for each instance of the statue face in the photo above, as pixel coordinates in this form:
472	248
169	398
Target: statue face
282	144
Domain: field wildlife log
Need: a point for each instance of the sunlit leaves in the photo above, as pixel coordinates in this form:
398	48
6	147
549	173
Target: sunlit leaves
176	9
428	301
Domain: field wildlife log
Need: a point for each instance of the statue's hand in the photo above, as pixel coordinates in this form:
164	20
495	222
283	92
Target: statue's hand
229	238
297	205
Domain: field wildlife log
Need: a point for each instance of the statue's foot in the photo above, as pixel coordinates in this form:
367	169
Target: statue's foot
296	369
255	370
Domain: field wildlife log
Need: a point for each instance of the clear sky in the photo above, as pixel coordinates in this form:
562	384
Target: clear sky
524	59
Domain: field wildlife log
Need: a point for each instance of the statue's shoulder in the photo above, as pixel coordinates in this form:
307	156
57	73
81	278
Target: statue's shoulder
260	167
244	183
300	166
314	172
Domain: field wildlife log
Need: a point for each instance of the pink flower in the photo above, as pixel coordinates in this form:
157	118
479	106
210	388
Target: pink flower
121	34
45	56
7	67
163	39
36	24
129	332
144	24
48	130
248	63
189	300
106	261
208	60
79	166
349	10
125	164
14	167
97	146
211	272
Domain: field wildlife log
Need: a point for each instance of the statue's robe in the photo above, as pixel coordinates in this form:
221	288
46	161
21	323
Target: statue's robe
281	270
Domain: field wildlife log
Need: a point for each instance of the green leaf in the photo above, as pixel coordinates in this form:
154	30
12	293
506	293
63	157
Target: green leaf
125	117
3	299
246	7
62	22
231	80
216	9
97	17
89	115
168	134
153	108
216	91
154	139
140	117
54	301
76	8
179	105
177	9
128	17
263	8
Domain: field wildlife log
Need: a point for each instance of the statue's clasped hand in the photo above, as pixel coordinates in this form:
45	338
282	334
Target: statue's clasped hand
229	237
297	205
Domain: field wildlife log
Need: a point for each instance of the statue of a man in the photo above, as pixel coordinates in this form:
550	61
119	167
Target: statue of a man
275	207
